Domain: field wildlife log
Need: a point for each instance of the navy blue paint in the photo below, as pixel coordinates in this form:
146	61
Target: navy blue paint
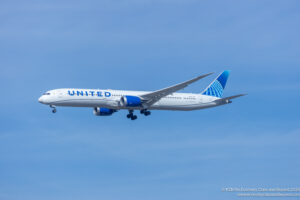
133	101
106	111
89	93
72	93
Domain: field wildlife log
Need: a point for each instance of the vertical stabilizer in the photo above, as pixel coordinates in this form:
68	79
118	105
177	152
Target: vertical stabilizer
217	87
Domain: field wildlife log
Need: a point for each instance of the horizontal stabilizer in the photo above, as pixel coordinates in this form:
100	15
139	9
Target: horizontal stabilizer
227	99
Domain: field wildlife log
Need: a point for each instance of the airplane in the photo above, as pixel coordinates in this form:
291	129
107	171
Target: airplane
106	102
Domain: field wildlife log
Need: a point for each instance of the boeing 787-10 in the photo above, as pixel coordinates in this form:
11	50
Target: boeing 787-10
107	102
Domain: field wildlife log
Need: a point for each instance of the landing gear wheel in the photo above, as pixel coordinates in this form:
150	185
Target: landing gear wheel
147	113
131	116
53	108
134	117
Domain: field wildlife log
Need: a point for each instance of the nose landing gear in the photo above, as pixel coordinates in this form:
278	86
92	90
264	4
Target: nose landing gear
53	108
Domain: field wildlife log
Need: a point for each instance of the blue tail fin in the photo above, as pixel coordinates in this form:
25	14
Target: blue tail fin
217	86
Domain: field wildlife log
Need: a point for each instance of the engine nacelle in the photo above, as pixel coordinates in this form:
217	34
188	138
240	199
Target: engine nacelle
130	101
103	111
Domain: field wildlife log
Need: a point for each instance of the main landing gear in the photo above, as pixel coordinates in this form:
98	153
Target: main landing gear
134	117
131	115
145	112
53	108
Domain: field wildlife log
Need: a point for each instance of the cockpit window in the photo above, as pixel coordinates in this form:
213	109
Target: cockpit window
47	93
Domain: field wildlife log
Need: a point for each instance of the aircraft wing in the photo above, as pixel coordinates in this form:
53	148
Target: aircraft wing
152	97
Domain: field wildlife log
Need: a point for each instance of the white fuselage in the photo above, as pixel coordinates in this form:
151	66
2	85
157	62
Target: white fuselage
111	99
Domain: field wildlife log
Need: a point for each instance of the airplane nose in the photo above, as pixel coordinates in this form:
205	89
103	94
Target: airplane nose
40	99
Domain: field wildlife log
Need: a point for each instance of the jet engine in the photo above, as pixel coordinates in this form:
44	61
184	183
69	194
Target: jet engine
130	101
103	111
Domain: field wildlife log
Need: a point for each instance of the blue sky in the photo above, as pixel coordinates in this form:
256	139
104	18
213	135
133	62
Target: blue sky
148	45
